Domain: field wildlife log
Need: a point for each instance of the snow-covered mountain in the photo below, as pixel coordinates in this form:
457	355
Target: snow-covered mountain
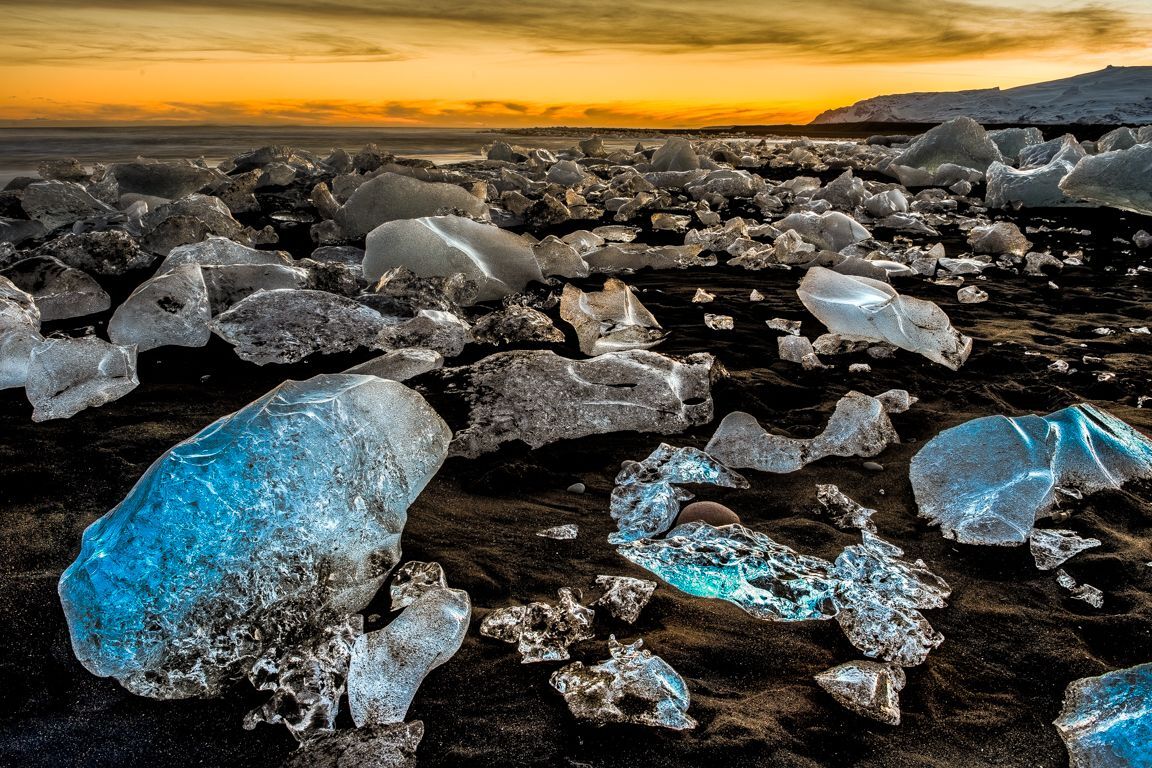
1111	95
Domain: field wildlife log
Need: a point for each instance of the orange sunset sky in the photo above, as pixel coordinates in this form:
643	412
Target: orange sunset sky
503	63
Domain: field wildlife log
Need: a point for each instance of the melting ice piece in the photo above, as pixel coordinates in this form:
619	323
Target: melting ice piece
988	480
1120	179
999	238
171	308
378	746
634	686
542	632
57	203
719	322
830	231
390	196
1106	721
1086	592
401	364
858	427
610	320
867	688
645	501
65	376
624	596
1051	548
862	308
516	324
256	533
844	512
569	531
18	308
61	292
961	141
539	397
388	666
413	579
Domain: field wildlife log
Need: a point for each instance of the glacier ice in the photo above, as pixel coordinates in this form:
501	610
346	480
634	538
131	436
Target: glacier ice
66	375
169	309
1051	548
254	534
220	251
862	308
392	197
1033	187
158	178
633	686
988	480
61	292
646	501
1106	721
844	512
188	220
560	532
401	364
999	238
829	231
106	252
868	688
624	597
541	631
18	308
676	154
1120	179
961	141
516	324
60	203
376	746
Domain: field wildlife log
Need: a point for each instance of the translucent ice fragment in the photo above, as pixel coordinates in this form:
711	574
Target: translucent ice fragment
844	512
719	322
390	196
1086	592
867	688
542	632
624	596
516	324
609	320
562	532
634	686
1051	548
378	746
169	309
66	375
961	141
413	579
1106	721
61	292
1120	179
829	231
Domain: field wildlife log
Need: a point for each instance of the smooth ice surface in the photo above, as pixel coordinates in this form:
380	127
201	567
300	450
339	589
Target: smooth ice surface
66	375
858	427
1106	721
376	746
254	534
961	141
624	597
646	501
1120	179
541	631
988	480
1051	548
609	320
61	292
829	231
169	309
862	308
498	261
867	688
633	686
844	512
390	196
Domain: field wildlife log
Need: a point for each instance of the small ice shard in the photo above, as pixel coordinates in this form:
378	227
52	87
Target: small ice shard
169	309
862	308
844	512
61	203
645	501
609	320
562	532
1120	179
1106	721
516	324
401	364
634	686
539	397
388	666
1086	592
868	688
999	238
65	376
794	349
61	292
755	295
436	246
1051	548
961	141
624	597
391	197
703	297
413	579
988	480
858	427
719	322
970	294
541	631
374	746
254	534
791	327
558	257
287	325
829	231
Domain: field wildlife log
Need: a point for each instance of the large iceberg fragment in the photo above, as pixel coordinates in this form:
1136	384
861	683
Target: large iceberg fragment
988	480
65	376
390	197
1106	721
171	308
609	320
867	688
676	154
542	632
255	534
156	178
861	308
61	292
1033	187
634	686
961	142
1120	179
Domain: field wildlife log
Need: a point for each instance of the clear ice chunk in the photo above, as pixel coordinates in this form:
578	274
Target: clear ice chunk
1051	548
868	688
609	320
633	686
862	308
624	597
988	480
1119	179
61	292
828	231
65	376
961	141
844	512
516	324
60	203
561	532
1106	721
390	197
401	364
1086	592
542	632
169	309
375	746
258	532
413	579
18	309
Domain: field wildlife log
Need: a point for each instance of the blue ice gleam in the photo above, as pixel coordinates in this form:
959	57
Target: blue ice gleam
253	535
1106	721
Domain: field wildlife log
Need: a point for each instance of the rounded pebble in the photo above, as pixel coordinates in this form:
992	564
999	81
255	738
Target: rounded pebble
577	488
873	466
709	512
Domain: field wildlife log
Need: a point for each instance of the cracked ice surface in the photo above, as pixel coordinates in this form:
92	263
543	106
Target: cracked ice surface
645	501
1106	721
988	480
844	511
542	632
634	686
255	533
861	308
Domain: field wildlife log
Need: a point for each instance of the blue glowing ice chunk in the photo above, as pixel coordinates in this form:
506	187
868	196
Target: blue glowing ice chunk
645	501
1106	721
254	534
988	480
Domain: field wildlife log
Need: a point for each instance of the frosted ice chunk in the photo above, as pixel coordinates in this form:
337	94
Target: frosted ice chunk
999	238
844	512
60	203
970	294
561	532
413	579
228	284
676	154
862	308
378	746
1086	592
516	324
156	178
886	203
1120	179
719	322
961	141
1010	141
222	251
254	534
65	376
18	309
400	291
634	686
859	426
401	364
388	666
829	231
609	320
1106	721
542	632
646	501
539	397
443	332
390	196
624	597
794	349
61	292
16	345
1051	548
630	257
868	688
1035	187
188	220
557	257
171	308
107	252
498	261
988	480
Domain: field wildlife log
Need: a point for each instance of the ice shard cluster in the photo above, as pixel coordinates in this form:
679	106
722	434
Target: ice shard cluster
988	480
1106	721
252	536
541	631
